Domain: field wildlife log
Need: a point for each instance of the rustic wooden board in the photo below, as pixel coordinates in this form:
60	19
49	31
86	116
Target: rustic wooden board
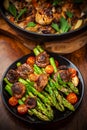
11	48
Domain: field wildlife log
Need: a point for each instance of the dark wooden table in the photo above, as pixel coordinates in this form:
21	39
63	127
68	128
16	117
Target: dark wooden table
10	50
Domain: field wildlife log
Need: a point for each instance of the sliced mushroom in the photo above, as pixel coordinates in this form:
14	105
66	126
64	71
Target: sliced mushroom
42	60
31	102
41	82
12	75
18	90
24	70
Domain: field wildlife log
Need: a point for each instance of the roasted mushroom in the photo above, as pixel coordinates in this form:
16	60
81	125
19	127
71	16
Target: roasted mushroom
41	82
31	102
24	70
18	90
42	60
12	75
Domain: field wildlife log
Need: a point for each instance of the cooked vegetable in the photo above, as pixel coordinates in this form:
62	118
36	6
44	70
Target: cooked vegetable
38	90
64	25
18	90
22	11
46	17
13	101
12	10
75	81
69	14
22	109
52	62
33	77
72	98
31	60
49	69
78	24
72	72
31	24
31	102
55	26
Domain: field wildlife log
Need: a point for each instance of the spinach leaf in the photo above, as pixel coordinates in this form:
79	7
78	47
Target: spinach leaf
56	2
69	14
31	24
55	26
64	25
21	13
12	10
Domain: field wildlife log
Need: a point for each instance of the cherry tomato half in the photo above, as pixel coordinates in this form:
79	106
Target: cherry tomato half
31	60
13	101
49	69
33	77
22	109
72	98
72	72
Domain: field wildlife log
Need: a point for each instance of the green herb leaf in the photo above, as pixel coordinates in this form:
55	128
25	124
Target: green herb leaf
21	13
69	14
31	24
64	25
55	26
56	2
12	10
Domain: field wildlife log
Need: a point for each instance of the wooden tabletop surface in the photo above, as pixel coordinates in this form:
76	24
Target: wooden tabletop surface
10	50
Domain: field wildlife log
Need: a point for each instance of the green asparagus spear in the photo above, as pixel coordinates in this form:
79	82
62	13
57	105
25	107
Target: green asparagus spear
61	82
8	89
52	62
68	105
73	88
36	51
37	69
58	96
65	102
7	82
36	93
42	108
39	48
60	88
53	98
39	114
35	112
68	84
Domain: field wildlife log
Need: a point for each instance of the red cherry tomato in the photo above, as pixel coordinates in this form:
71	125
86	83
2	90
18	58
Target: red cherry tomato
13	101
22	109
49	69
33	77
72	72
72	98
31	60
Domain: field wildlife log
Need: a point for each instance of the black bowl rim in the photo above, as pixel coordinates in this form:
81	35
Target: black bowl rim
43	122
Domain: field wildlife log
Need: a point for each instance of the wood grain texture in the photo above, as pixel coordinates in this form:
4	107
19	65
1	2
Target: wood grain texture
63	47
11	48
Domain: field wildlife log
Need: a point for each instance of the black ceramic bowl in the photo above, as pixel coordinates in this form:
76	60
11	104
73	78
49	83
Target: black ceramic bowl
42	37
58	116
